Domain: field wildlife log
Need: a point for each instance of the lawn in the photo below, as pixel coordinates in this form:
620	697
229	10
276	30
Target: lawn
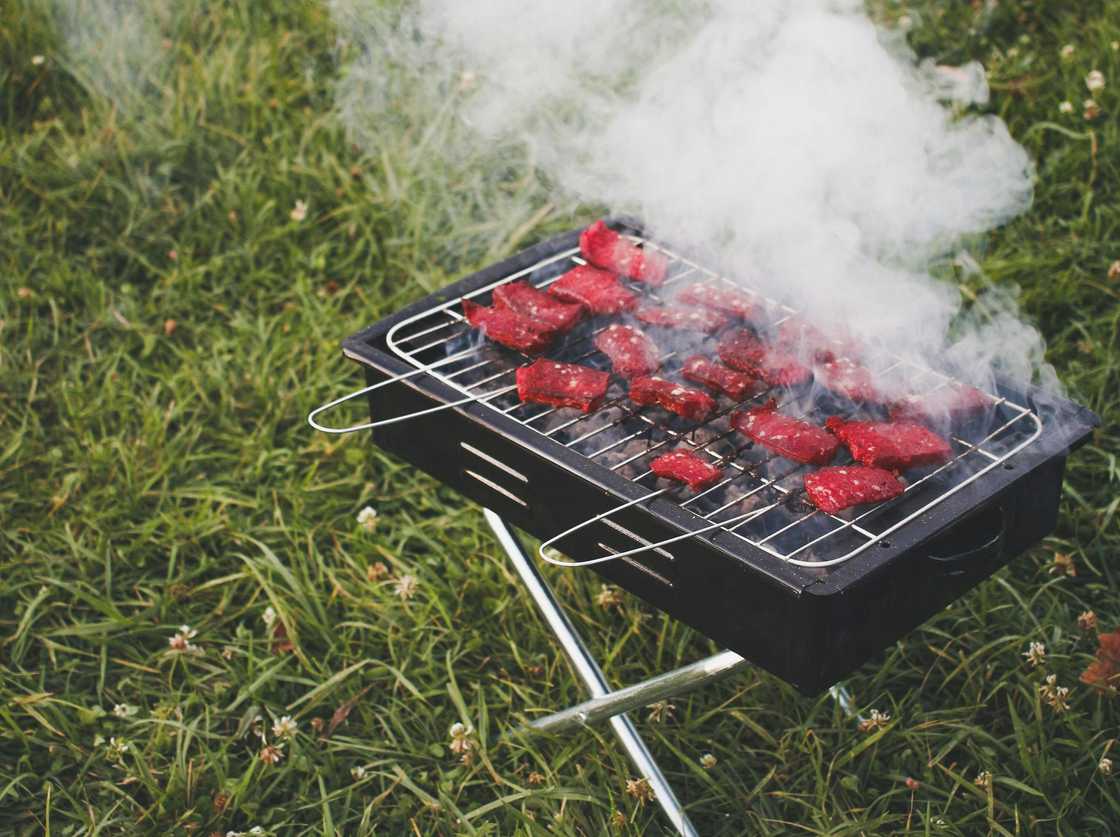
187	233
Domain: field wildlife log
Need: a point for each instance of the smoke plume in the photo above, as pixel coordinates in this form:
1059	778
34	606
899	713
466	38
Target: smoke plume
801	147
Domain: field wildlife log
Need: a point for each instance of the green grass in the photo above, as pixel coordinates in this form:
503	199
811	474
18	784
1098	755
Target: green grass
164	327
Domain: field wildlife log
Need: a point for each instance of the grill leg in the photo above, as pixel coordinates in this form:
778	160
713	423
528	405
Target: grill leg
590	673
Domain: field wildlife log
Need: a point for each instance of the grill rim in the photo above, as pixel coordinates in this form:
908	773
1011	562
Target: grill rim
1072	428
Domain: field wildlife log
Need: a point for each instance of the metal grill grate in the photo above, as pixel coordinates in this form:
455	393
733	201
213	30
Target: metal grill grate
624	437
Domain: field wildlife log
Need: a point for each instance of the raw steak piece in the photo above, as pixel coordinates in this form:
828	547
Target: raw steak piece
743	351
687	467
843	486
789	437
596	290
895	445
714	375
605	248
805	340
562	385
725	300
509	329
686	402
948	405
847	378
631	352
686	319
522	298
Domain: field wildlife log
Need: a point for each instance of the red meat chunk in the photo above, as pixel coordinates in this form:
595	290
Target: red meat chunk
946	406
691	404
687	467
895	445
686	319
522	298
847	378
789	437
743	351
509	328
631	352
714	375
605	248
842	486
717	297
596	290
805	340
562	385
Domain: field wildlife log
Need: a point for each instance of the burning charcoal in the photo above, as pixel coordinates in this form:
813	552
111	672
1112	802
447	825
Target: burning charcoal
898	446
509	329
847	378
805	340
688	403
522	298
789	437
605	248
743	351
685	319
725	300
687	467
562	385
597	290
714	375
842	486
632	353
951	405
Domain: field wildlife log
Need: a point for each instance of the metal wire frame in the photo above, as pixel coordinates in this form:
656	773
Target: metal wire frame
410	343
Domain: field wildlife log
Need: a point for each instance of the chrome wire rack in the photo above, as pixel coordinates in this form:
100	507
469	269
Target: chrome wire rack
624	437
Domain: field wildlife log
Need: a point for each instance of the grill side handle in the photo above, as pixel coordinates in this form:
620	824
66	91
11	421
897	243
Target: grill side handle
312	417
979	539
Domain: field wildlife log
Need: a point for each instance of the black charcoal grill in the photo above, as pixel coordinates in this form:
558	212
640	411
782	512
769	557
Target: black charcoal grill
806	595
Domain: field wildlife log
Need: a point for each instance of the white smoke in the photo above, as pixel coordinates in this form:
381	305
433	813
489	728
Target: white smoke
802	147
115	48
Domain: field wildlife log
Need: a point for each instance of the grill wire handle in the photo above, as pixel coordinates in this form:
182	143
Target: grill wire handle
392	380
741	518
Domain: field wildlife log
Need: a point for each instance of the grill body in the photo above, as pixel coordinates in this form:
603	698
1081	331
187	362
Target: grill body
808	626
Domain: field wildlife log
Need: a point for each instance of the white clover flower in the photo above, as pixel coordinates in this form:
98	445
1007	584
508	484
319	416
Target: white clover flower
708	761
1065	107
1035	654
406	587
285	727
181	641
1105	766
37	60
877	720
1095	81
1055	695
461	742
358	773
269	616
116	749
1092	109
367	518
299	211
1067	52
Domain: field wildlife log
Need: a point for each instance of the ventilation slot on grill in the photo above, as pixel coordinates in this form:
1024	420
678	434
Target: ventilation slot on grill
638	565
497	463
509	495
638	539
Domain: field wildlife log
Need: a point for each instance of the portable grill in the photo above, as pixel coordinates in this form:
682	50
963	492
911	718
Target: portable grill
806	595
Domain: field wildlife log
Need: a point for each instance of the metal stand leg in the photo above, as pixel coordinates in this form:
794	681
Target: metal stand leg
591	674
604	702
